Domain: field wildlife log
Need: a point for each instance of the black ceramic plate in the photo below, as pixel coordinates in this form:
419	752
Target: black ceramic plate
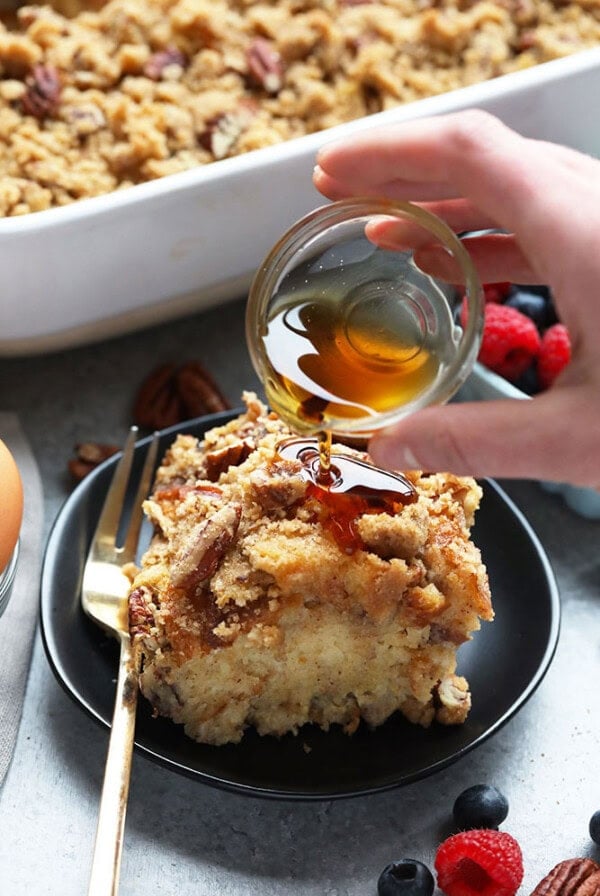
504	663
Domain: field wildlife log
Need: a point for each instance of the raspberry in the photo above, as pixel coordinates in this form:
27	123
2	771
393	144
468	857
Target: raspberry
555	354
479	863
496	292
510	342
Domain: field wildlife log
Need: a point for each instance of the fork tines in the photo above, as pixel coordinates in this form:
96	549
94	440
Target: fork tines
105	536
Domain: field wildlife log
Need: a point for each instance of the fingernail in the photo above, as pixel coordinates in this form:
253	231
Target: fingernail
410	461
391	453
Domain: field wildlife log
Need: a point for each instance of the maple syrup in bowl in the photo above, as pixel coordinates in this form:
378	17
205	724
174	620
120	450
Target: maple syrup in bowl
348	337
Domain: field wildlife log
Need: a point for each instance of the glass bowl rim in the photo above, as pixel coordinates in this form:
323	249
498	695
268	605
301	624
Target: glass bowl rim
7	577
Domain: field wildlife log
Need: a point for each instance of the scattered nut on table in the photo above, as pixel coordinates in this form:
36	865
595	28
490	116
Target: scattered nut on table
88	455
172	393
573	877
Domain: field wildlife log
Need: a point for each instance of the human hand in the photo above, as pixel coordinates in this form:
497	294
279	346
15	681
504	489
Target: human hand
477	174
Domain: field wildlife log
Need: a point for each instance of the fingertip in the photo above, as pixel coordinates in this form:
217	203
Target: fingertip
437	261
318	176
320	155
328	186
324	155
387	450
458	438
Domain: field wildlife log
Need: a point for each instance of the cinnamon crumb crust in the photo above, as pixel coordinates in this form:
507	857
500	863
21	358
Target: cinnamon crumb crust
98	96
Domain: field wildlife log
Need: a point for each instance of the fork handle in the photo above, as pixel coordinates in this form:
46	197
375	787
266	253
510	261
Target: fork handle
106	864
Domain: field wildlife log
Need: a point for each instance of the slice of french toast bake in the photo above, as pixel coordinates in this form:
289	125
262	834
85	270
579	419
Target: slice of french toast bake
257	605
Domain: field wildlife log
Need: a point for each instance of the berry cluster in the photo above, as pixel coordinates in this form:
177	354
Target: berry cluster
523	340
478	860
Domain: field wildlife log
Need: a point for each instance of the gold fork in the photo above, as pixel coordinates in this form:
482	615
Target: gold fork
104	599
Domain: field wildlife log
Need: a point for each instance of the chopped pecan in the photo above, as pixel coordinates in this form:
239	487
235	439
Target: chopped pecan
140	616
278	486
454	700
206	546
440	633
265	66
86	119
527	39
170	58
219	460
42	95
172	394
88	455
223	131
573	877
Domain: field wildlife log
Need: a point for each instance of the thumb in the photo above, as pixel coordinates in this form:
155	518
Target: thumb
553	436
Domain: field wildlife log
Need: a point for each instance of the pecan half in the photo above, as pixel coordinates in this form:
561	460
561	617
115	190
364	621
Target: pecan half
573	877
88	455
205	548
265	65
42	95
157	404
199	391
173	393
158	64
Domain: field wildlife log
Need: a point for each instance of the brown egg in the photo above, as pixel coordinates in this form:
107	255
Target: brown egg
11	505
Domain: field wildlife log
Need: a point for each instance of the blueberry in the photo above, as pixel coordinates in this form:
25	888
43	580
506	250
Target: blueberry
537	288
538	308
406	877
528	382
480	806
595	827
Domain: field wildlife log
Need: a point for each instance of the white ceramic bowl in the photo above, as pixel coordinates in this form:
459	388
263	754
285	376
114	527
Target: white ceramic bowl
484	385
133	258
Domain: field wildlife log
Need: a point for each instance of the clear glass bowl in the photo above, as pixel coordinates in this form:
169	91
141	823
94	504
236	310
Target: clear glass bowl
349	337
6	579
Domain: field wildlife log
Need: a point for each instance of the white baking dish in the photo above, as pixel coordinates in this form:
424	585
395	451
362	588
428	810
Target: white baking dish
107	265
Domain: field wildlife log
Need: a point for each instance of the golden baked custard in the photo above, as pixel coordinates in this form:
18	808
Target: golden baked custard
259	604
97	96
